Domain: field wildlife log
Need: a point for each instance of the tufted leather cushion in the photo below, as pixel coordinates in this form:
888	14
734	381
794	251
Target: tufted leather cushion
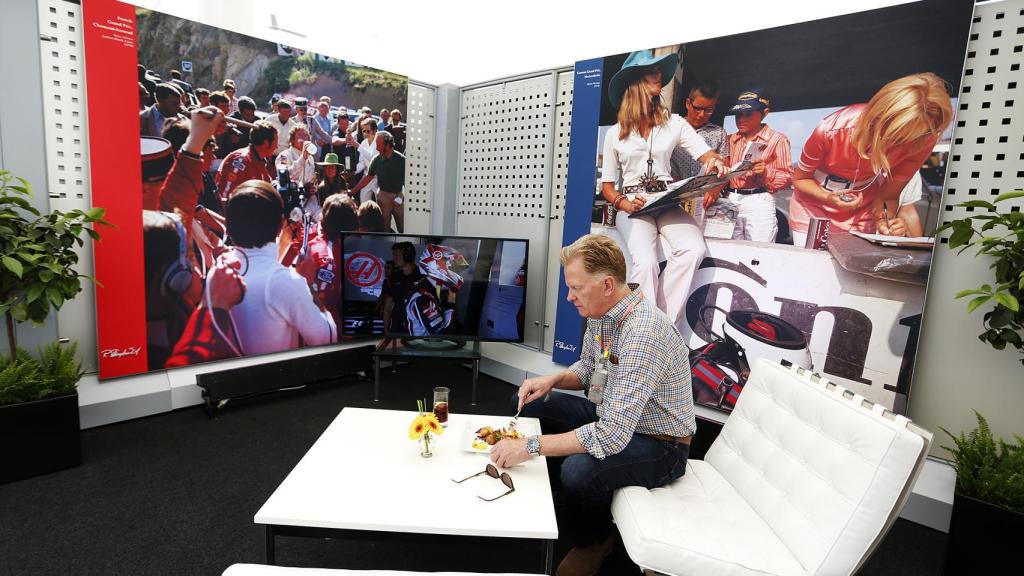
801	480
702	526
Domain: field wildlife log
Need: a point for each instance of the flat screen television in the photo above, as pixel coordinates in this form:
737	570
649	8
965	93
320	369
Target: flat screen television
433	287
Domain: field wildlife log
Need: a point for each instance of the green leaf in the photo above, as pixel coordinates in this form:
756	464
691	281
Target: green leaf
13	265
973	304
20	312
45	275
92	233
963	293
55	296
1009	195
1000	317
1010	336
94	213
1008	300
961	235
977	204
33	292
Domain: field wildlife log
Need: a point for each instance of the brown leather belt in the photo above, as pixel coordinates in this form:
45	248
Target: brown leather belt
673	439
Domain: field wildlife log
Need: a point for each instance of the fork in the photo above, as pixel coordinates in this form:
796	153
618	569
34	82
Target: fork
515	420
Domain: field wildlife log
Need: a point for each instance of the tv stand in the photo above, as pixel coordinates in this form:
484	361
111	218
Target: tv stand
416	349
432	344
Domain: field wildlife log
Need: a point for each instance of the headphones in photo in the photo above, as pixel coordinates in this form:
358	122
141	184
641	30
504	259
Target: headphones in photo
178	276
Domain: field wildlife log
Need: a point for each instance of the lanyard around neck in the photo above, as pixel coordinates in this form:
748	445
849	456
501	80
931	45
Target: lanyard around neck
607	346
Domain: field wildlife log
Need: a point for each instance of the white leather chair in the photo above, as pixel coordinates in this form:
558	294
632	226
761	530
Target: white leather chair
263	570
805	478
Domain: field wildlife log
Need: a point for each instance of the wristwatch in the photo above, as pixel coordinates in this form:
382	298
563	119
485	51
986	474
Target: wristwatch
533	445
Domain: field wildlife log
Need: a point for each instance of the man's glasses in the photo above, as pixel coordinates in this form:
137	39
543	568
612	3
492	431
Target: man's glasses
702	109
492	471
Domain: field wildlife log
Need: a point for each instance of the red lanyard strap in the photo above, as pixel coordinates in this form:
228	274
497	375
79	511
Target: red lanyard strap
606	347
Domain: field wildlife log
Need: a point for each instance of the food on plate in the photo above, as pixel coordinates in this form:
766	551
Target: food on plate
492	436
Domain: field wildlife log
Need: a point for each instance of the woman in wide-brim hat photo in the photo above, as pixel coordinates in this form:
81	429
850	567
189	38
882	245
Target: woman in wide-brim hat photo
329	179
637	153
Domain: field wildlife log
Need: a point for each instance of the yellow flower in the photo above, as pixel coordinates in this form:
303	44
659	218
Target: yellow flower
433	424
418	427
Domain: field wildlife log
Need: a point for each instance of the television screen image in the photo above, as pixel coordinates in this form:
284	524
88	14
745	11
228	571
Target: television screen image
433	287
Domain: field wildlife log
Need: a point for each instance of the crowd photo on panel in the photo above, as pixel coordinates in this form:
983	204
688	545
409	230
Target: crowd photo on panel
243	212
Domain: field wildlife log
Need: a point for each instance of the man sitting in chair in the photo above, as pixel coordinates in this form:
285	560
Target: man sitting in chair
634	427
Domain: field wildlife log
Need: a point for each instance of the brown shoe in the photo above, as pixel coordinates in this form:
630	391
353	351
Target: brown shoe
586	561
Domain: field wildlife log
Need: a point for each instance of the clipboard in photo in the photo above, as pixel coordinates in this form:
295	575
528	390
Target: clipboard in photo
896	241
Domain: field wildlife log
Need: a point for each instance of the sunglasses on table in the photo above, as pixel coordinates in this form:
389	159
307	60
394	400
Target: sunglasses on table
492	471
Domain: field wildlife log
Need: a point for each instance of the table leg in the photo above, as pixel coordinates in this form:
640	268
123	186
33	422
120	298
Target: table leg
476	375
270	545
376	379
549	556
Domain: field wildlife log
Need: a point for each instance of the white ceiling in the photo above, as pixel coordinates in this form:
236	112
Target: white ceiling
465	42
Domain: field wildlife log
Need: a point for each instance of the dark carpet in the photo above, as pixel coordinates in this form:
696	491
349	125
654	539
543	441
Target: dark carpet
176	494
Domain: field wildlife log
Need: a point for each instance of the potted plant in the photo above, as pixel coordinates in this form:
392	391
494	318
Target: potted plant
1001	236
988	505
39	425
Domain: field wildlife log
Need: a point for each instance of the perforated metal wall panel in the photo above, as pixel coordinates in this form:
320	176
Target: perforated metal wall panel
559	174
64	88
956	373
419	157
987	155
504	187
67	152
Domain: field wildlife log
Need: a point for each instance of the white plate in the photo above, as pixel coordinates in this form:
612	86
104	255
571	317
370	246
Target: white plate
526	428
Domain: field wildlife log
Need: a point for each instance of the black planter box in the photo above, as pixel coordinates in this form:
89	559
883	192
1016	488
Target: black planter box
983	538
39	437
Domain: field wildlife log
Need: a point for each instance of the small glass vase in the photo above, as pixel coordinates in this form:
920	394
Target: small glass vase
425	442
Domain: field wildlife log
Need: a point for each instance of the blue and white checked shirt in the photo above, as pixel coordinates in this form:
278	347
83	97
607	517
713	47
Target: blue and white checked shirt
649	390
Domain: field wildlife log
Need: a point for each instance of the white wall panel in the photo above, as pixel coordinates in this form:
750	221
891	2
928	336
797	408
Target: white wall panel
556	215
419	158
67	153
504	181
956	373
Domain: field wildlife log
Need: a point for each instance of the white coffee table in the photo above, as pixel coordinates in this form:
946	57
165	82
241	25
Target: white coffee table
364	478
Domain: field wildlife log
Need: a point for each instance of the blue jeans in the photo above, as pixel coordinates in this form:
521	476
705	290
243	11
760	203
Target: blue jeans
588	484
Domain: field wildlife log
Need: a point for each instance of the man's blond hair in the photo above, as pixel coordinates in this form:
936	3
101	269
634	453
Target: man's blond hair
600	255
